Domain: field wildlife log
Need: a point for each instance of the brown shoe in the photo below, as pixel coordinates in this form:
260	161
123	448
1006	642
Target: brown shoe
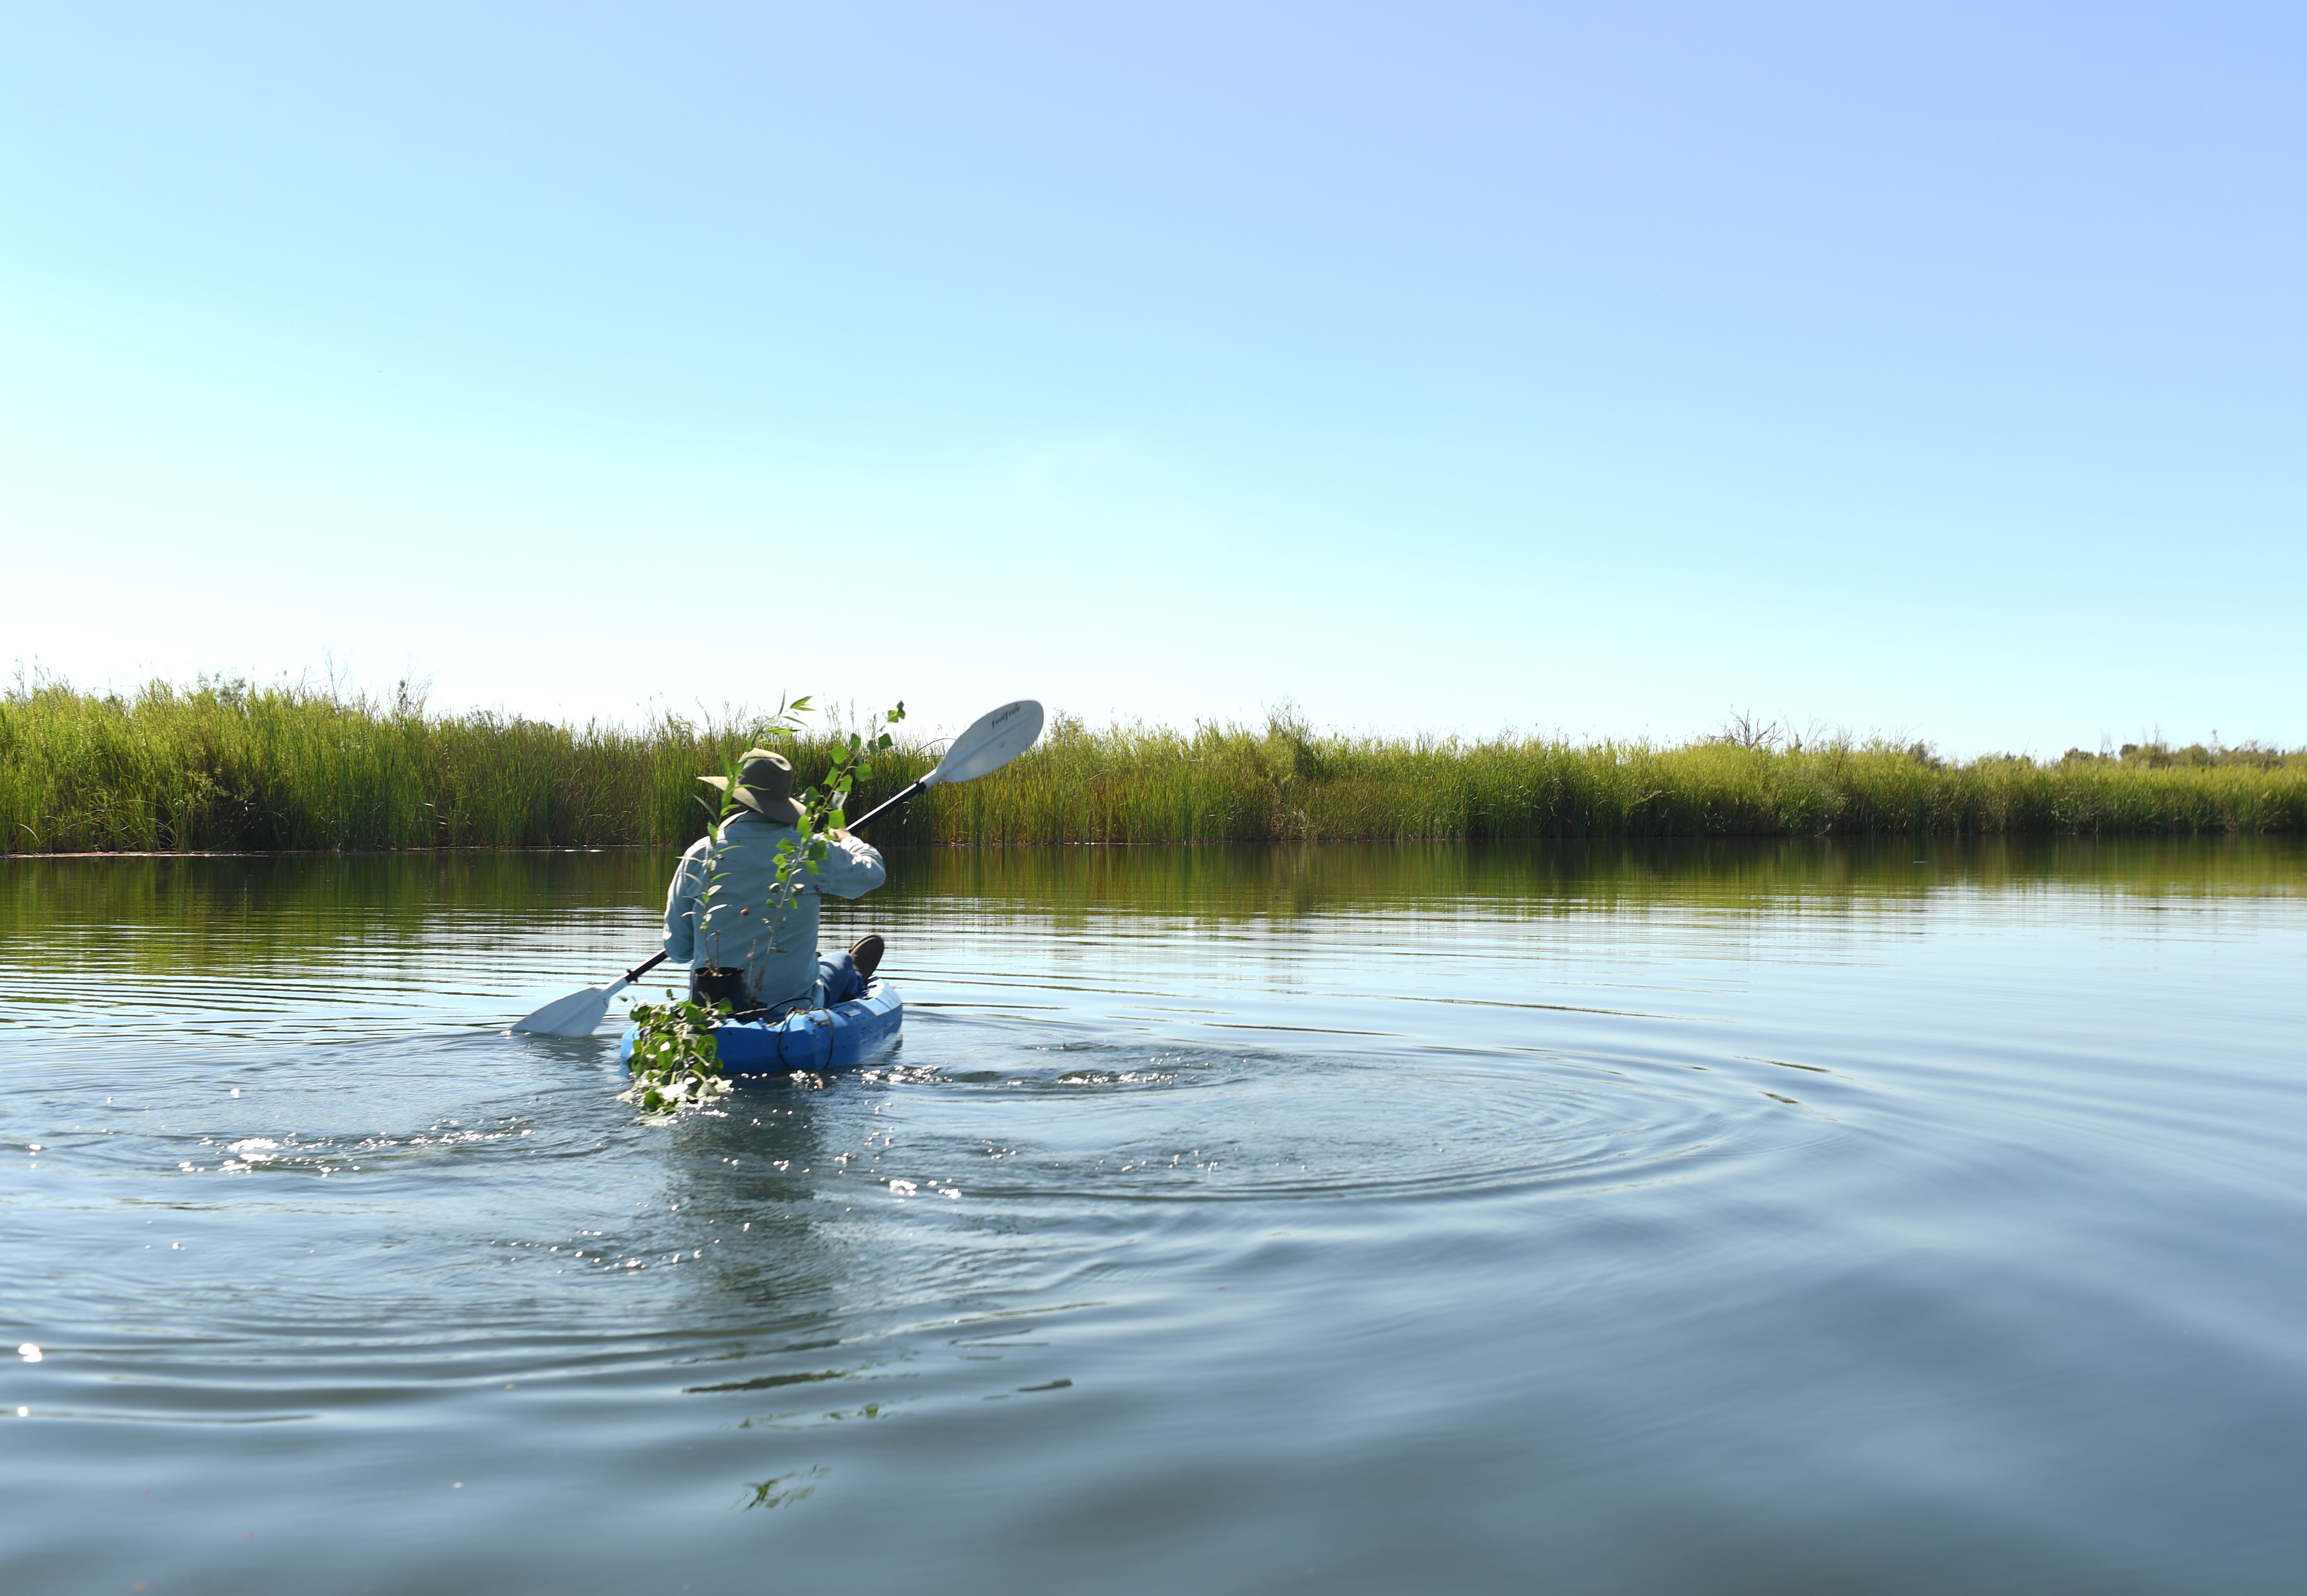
867	955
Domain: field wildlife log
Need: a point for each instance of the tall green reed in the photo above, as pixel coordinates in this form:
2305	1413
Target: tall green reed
225	765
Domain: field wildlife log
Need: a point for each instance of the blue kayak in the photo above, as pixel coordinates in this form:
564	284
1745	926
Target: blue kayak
837	1038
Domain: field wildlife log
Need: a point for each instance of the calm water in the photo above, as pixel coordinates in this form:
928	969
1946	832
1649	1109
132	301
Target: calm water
1779	1218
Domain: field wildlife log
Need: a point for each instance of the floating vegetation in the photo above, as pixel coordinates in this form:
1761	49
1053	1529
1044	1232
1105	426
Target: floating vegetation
225	765
786	1489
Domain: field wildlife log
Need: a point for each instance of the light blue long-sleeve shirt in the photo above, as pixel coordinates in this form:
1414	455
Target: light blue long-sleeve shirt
740	926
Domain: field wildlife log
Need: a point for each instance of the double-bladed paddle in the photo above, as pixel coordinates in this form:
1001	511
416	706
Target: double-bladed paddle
990	742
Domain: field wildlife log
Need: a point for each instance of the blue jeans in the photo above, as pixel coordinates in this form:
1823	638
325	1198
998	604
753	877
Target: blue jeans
839	971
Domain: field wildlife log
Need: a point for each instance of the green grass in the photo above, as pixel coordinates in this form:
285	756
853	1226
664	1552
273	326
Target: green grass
228	766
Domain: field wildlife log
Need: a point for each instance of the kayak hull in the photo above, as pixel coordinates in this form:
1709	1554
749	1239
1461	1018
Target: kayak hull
840	1037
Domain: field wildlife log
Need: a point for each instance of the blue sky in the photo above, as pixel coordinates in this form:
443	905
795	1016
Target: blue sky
1930	370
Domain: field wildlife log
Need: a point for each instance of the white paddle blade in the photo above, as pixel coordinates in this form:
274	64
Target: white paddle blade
996	739
576	1015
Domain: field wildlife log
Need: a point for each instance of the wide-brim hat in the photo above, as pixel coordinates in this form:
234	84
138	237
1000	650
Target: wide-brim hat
764	786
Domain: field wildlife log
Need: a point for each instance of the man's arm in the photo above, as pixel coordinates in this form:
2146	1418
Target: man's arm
681	911
850	867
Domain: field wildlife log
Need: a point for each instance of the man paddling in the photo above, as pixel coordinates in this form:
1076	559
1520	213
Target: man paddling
725	908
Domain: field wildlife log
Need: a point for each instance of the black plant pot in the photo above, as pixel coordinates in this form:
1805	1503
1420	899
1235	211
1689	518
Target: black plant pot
709	984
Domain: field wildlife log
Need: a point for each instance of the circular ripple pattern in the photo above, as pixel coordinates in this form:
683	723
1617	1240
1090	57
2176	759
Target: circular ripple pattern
1191	1125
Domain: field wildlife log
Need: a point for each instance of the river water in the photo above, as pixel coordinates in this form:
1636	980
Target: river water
1781	1217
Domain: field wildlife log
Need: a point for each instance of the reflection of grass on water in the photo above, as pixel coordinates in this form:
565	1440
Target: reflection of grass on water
784	1420
771	1382
1279	882
228	766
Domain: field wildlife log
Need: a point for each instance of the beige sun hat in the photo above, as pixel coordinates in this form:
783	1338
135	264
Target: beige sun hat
764	786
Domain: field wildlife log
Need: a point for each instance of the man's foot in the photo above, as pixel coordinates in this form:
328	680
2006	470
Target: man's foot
867	955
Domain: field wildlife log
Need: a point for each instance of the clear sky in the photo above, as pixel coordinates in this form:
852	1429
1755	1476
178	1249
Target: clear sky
1932	370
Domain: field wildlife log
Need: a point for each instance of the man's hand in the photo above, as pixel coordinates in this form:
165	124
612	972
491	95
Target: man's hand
839	834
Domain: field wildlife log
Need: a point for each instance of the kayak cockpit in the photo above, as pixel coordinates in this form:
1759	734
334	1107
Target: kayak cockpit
841	1036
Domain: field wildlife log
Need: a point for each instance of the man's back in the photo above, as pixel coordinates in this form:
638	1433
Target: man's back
743	922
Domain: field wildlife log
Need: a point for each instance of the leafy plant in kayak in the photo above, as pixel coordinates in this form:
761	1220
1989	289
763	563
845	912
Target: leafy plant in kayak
675	1062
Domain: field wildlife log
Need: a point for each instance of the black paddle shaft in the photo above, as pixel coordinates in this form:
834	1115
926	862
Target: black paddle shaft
645	966
881	809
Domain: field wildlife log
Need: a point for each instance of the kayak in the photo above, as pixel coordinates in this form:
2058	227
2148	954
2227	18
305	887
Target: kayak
840	1037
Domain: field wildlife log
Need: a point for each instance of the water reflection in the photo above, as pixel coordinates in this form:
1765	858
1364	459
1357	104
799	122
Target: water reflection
1283	881
286	912
1780	1215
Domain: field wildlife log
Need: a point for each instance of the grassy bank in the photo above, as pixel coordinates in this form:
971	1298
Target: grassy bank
231	766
